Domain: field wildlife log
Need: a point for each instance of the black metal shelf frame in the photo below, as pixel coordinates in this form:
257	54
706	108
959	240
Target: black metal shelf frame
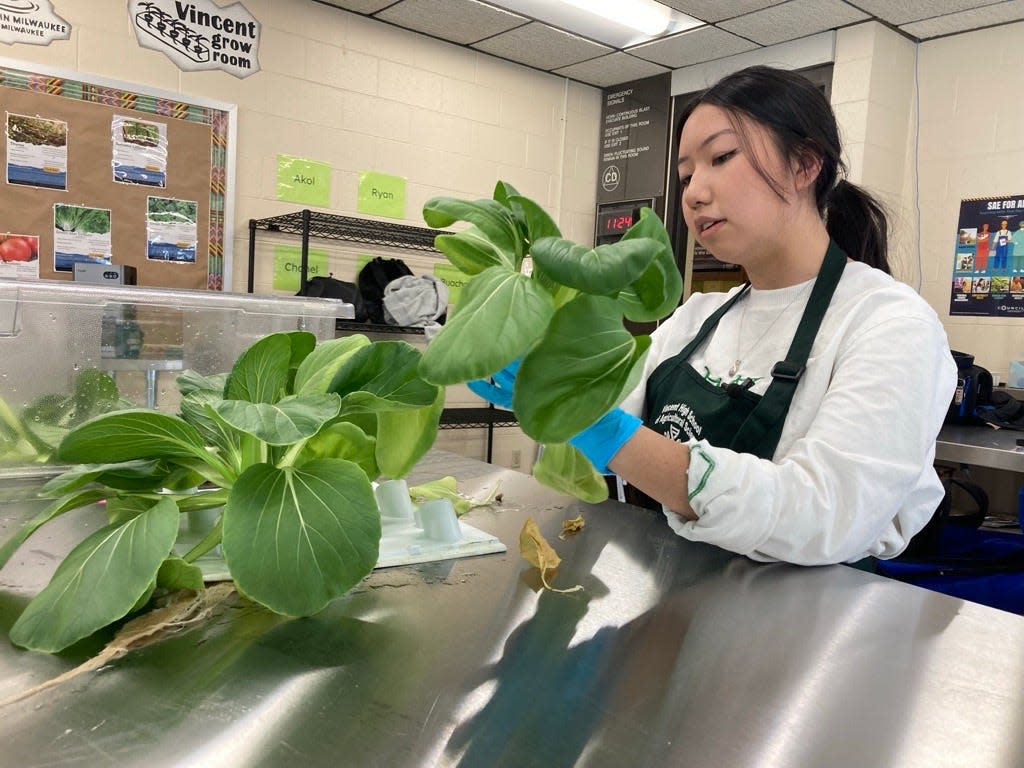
329	226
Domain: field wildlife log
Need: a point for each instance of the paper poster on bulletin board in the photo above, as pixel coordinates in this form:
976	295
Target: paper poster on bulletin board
104	172
988	257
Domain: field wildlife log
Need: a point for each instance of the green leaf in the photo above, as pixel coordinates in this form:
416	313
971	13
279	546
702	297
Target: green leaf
604	270
296	538
582	368
124	476
382	377
503	191
99	581
121	509
470	251
127	435
95	393
343	440
262	373
403	437
57	508
565	469
657	291
489	216
214	431
445	488
317	371
176	574
285	422
190	381
538	223
501	314
203	499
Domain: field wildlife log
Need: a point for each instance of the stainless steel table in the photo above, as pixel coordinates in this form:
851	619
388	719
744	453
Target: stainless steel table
981	446
674	654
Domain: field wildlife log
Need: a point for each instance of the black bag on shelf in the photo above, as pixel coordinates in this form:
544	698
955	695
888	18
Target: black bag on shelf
373	279
973	390
330	288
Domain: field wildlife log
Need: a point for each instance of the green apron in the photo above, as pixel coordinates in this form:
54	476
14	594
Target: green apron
682	404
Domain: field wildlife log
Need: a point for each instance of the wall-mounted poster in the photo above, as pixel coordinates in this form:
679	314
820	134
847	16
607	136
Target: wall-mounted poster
80	234
37	152
988	258
171	233
138	151
19	256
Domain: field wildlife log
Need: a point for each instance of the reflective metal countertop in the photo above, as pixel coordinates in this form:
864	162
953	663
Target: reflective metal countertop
674	654
981	446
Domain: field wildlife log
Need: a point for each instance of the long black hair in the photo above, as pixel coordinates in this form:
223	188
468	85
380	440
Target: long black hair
801	121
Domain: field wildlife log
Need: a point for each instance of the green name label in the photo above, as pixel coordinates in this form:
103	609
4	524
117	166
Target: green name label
362	259
288	266
381	195
303	181
454	278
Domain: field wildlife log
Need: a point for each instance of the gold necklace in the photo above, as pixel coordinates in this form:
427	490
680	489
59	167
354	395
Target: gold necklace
739	358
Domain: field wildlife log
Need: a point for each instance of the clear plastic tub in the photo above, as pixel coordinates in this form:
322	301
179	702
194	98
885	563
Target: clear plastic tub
52	331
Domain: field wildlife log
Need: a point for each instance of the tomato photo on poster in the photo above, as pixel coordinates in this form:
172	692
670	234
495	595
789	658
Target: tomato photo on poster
19	256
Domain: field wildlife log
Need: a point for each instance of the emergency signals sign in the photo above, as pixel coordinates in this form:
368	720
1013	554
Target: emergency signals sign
199	35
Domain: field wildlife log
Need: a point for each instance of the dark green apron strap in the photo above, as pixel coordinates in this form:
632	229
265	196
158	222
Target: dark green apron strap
710	323
760	432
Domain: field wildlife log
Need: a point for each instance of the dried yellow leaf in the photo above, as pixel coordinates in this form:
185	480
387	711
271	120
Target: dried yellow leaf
569	527
537	552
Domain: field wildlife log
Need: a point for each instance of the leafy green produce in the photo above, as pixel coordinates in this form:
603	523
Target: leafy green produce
287	444
76	218
564	318
33	435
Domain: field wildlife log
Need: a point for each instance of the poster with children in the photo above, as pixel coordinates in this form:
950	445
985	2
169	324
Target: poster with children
988	258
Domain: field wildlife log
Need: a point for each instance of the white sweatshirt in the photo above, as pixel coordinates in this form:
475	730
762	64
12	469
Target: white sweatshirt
853	471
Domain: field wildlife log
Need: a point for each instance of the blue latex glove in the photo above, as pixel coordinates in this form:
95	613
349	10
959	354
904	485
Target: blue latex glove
598	443
500	392
602	440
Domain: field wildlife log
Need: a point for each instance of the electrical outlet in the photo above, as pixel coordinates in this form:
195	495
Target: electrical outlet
517	458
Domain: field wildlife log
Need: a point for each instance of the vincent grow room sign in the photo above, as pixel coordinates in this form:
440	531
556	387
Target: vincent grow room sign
199	35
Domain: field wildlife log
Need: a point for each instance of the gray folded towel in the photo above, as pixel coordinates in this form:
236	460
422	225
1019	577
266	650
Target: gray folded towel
416	301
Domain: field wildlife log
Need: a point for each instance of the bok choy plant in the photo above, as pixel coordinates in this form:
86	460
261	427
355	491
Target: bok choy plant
564	318
33	436
286	444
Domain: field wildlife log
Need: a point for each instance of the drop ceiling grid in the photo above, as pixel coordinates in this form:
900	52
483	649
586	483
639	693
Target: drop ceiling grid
733	26
460	21
538	45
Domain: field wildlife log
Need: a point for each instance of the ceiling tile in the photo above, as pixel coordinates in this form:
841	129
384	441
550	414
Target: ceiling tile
359	6
460	21
693	47
538	45
989	16
903	11
611	70
716	10
794	19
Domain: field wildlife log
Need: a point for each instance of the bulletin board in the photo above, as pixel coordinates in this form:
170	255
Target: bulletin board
191	192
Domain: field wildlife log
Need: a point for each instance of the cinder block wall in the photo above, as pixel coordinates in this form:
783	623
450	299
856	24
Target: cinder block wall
362	95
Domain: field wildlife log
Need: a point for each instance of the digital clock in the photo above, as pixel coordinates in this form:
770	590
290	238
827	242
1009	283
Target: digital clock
615	220
616	223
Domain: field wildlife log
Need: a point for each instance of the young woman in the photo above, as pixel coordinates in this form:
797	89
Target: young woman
793	418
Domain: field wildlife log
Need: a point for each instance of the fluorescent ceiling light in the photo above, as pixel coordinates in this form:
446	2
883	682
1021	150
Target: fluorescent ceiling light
618	23
644	16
